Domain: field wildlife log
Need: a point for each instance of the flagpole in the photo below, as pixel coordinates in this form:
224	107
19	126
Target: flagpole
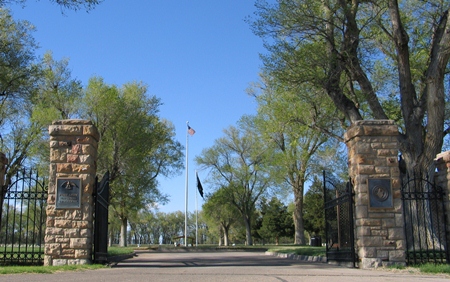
196	215
186	188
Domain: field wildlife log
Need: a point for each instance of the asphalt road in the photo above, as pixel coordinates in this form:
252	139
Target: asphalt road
222	266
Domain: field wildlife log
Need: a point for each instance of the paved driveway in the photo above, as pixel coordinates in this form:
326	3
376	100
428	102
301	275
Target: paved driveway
221	266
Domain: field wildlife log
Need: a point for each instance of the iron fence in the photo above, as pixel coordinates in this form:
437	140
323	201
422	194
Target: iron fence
23	217
425	221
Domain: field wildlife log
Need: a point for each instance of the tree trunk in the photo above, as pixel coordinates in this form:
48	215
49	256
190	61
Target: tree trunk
225	236
110	239
248	231
298	218
123	232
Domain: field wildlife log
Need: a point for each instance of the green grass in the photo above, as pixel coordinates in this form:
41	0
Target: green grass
434	268
112	251
117	251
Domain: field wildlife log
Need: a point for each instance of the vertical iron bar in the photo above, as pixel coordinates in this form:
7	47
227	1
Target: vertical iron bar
351	223
20	229
422	222
325	211
28	201
406	213
432	200
338	217
14	220
35	221
416	201
42	222
6	223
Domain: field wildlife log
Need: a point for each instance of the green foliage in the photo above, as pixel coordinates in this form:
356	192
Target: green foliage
220	214
290	119
238	163
136	145
58	95
367	60
171	225
18	71
313	210
18	76
276	220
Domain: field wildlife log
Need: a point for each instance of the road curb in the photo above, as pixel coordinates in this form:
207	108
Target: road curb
298	257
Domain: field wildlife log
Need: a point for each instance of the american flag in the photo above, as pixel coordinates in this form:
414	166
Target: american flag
191	131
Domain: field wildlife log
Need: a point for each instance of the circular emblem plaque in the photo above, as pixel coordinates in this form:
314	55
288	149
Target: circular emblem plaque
381	193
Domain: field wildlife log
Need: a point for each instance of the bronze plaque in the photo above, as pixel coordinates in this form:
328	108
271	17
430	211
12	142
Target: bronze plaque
380	193
68	193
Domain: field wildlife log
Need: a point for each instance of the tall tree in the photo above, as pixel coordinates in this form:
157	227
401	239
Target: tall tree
18	76
373	59
136	146
58	95
238	162
18	71
220	213
291	120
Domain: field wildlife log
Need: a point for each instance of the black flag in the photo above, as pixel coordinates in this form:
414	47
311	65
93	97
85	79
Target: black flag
199	186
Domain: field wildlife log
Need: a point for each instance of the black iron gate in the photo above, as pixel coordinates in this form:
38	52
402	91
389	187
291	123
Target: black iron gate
101	219
425	221
339	221
23	218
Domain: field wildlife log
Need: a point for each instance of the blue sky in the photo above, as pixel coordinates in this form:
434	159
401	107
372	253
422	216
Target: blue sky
197	56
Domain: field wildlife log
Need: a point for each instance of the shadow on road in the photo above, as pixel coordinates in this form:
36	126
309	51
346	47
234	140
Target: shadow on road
198	259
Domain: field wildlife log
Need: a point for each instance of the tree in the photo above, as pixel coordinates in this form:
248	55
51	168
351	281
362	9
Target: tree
172	226
220	214
58	95
292	125
313	211
18	70
136	146
276	221
372	59
18	74
238	163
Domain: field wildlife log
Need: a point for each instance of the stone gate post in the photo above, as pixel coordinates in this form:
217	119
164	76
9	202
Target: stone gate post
373	167
70	206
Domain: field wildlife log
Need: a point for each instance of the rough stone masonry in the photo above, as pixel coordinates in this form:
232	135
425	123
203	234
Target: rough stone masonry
73	156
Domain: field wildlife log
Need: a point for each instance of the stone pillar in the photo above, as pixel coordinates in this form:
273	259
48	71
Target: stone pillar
442	178
373	167
73	155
